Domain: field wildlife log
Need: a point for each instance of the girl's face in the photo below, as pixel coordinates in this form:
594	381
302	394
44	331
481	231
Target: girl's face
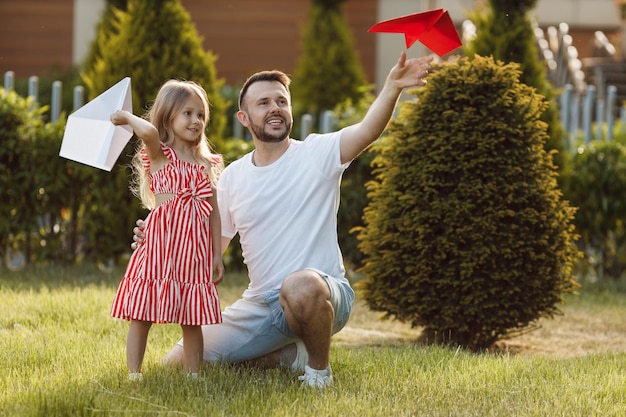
188	123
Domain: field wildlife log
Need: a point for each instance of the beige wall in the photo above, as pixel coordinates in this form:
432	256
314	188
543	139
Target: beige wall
86	16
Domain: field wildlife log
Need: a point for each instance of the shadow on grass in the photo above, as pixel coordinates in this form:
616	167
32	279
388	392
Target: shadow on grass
35	277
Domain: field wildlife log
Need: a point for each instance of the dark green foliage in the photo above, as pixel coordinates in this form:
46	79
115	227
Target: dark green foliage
597	187
36	185
513	6
353	192
328	4
467	234
19	122
505	32
328	71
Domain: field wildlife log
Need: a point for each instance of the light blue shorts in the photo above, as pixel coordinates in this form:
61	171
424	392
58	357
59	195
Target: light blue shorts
251	329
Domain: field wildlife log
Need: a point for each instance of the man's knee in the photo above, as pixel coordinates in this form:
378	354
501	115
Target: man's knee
304	286
305	297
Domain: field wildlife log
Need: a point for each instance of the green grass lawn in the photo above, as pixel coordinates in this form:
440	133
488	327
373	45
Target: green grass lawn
62	355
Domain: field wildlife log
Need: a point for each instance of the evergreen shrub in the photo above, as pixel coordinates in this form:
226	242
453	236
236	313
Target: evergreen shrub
467	234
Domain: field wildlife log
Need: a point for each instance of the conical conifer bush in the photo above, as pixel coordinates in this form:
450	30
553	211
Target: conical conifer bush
466	233
329	71
152	43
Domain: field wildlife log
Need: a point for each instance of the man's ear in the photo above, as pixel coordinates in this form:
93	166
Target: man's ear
242	116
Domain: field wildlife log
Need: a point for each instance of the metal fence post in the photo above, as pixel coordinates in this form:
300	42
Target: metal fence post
565	105
33	89
611	93
599	118
587	108
9	80
575	121
55	105
306	126
79	93
328	121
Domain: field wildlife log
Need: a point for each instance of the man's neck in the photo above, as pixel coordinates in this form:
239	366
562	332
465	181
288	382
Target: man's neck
267	153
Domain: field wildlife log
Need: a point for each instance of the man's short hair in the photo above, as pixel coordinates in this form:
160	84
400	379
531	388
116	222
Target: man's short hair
273	75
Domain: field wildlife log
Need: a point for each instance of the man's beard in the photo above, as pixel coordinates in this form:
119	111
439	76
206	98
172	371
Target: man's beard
263	136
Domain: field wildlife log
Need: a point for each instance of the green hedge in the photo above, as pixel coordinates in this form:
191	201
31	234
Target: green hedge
597	187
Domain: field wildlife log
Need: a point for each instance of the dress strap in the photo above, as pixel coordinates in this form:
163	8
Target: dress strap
145	161
216	159
169	153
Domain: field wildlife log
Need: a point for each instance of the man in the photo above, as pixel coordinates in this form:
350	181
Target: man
282	199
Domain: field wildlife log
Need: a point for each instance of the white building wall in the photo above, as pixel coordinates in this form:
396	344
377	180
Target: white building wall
86	16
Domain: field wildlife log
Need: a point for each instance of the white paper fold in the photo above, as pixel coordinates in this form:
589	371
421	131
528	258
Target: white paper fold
90	138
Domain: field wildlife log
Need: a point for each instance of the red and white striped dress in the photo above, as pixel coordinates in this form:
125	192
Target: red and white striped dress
169	276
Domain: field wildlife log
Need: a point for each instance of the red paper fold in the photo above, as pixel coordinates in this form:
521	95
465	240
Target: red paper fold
433	28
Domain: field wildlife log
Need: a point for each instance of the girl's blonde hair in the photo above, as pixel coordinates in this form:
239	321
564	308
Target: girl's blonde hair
168	103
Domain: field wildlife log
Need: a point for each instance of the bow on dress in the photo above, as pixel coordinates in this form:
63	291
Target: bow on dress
196	196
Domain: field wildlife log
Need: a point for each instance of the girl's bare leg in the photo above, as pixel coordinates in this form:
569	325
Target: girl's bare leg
193	345
136	344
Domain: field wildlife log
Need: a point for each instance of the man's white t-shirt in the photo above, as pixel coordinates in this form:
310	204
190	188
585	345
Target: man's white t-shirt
286	212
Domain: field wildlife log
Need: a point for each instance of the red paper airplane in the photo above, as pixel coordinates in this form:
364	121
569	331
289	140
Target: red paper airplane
433	28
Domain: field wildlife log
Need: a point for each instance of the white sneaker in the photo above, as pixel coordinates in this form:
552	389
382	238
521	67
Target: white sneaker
316	378
302	357
135	376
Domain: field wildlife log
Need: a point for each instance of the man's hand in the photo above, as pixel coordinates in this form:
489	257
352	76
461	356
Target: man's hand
218	269
137	234
410	72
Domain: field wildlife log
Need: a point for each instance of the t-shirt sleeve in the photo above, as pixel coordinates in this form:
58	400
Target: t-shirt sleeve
325	151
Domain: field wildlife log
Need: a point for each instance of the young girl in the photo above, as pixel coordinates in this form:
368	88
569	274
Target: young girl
171	275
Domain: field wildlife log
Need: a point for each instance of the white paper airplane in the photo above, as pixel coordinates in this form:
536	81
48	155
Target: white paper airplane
90	137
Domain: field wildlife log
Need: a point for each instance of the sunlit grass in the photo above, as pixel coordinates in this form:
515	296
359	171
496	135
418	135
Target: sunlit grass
62	355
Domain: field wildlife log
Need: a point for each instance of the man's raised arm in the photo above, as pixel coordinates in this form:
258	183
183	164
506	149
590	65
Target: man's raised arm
406	73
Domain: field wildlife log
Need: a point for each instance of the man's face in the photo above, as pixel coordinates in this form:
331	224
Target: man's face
267	111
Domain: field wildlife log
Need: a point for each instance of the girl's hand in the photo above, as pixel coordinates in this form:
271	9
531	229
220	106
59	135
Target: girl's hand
120	117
